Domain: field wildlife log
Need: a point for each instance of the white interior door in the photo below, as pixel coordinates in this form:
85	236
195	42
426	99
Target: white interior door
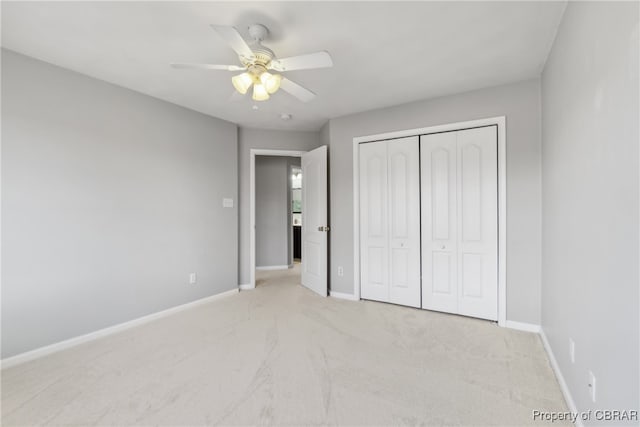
314	222
403	178
374	254
390	221
459	175
439	222
477	185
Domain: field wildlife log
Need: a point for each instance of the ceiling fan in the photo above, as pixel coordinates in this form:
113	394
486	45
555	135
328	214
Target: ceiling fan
257	60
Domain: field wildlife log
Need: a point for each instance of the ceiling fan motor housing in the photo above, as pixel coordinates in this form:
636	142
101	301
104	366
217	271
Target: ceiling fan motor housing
262	55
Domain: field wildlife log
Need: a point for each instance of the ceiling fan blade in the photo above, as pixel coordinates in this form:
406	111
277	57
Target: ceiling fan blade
303	62
303	94
234	39
208	66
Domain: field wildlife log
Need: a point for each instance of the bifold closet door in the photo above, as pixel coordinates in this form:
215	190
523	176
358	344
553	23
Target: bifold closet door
460	222
390	221
478	222
403	174
439	222
374	224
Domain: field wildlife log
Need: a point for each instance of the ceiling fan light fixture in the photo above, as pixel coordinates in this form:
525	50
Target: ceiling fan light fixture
257	60
260	92
242	82
271	82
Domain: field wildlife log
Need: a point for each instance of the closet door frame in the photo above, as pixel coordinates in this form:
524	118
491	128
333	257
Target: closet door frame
500	122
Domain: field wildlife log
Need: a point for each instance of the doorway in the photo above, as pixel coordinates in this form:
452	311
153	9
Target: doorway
271	209
296	213
314	195
275	203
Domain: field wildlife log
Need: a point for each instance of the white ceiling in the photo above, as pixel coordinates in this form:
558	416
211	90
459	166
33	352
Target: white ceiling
384	53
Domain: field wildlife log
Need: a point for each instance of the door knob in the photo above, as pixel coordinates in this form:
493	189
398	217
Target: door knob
443	247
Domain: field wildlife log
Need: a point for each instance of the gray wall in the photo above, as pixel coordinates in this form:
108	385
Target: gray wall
590	201
263	139
520	103
110	199
325	133
273	210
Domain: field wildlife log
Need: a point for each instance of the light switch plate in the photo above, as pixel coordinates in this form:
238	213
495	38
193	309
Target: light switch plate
227	203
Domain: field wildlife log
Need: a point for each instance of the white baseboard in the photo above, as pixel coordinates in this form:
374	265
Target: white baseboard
340	295
72	342
246	287
563	384
521	326
273	267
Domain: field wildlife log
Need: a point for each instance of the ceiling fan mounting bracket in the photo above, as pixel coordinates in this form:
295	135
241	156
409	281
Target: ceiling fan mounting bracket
262	55
258	32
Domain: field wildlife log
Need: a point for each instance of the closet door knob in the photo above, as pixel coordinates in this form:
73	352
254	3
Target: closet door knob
443	247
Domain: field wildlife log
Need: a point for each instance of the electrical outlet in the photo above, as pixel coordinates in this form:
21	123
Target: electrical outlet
192	278
592	386
572	350
340	271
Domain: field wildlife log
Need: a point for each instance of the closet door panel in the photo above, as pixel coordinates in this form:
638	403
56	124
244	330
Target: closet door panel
374	253
439	222
404	221
477	222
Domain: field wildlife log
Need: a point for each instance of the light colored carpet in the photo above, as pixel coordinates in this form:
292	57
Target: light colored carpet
282	355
